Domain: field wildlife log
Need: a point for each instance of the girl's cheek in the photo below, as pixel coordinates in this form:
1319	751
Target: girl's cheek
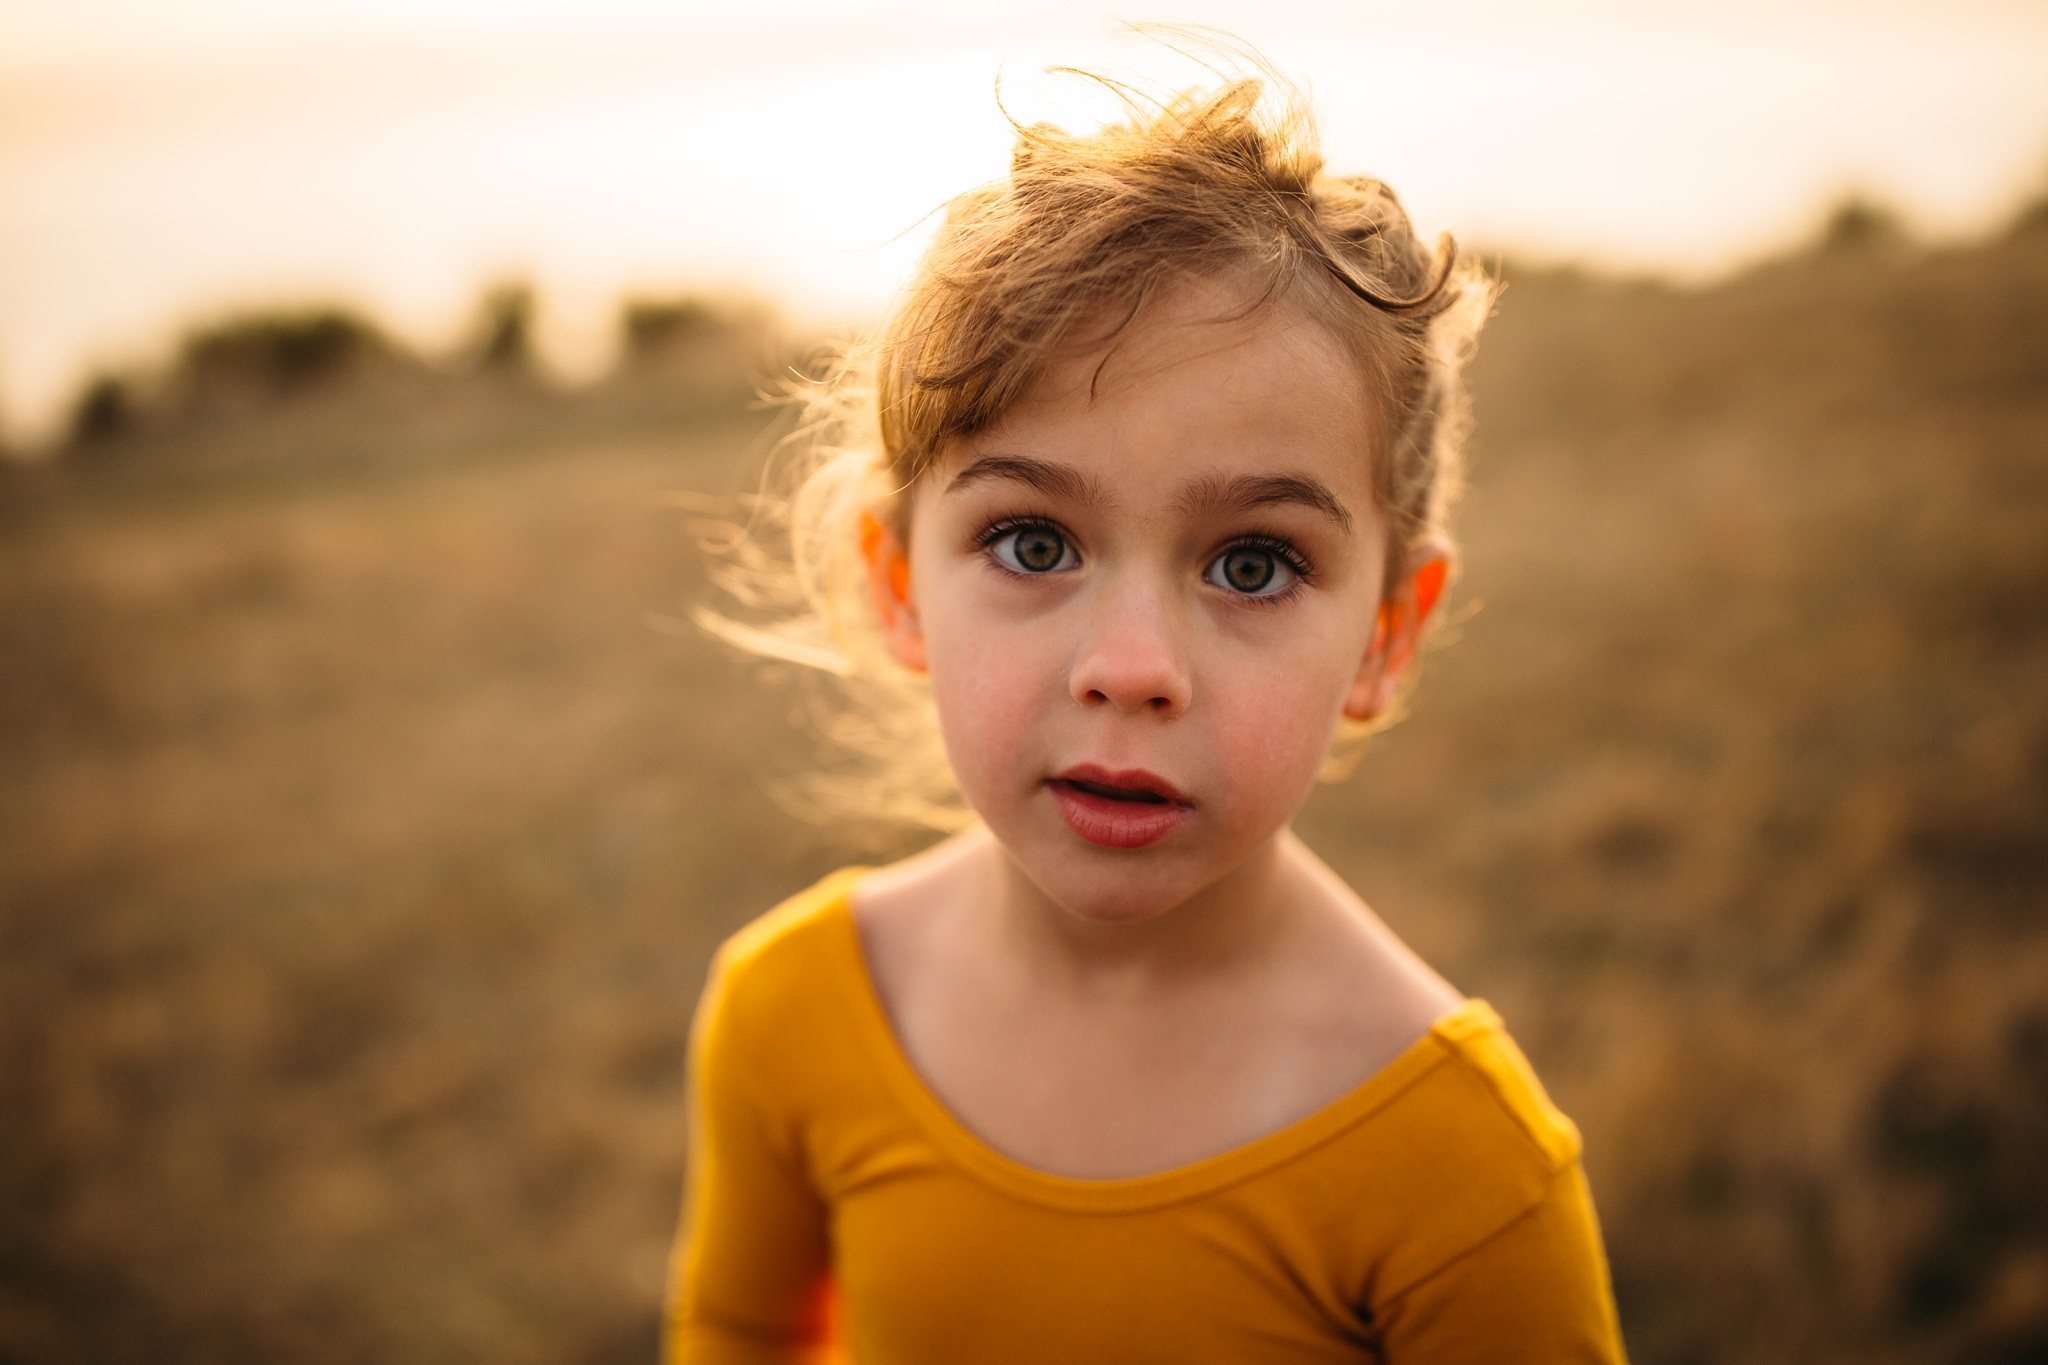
1279	735
991	700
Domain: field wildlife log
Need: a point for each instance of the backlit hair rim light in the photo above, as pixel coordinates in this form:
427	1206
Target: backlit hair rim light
1063	254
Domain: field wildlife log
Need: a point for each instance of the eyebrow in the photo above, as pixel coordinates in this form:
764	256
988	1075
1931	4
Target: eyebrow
1053	480
1208	496
1217	494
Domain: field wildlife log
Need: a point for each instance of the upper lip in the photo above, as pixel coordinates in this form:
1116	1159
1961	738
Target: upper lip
1135	781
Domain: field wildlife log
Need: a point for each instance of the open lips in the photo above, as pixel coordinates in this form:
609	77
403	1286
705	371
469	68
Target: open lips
1128	809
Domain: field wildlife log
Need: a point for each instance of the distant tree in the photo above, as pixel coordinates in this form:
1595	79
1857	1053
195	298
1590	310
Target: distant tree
274	355
649	327
2032	219
104	411
1857	224
504	332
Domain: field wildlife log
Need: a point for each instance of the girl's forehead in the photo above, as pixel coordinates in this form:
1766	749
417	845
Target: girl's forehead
1207	372
1196	395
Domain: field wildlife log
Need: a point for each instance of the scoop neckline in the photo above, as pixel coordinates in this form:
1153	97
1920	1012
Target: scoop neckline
1117	1194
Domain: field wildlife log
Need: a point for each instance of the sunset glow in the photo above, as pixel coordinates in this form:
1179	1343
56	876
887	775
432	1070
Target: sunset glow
395	157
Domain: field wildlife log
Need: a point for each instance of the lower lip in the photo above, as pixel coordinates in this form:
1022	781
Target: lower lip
1117	824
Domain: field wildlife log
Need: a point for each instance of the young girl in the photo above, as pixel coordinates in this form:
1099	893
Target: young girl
1140	494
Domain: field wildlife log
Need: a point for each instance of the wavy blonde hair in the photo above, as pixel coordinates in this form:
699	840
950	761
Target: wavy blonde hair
1061	255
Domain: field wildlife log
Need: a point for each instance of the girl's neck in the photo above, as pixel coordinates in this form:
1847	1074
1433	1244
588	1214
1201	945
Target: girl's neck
1231	924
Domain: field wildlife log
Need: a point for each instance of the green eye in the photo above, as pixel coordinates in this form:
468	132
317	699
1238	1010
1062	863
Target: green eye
1251	572
1033	550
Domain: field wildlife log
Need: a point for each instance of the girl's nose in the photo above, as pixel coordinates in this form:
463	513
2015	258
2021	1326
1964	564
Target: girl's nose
1134	657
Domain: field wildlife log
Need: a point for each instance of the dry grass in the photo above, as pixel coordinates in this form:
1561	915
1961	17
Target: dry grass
363	845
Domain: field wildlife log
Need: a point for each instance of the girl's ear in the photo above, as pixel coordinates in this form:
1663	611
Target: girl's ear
1404	612
889	588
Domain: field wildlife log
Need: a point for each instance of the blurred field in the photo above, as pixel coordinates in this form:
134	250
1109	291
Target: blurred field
364	842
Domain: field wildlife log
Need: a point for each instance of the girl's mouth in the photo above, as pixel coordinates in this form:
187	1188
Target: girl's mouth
1128	809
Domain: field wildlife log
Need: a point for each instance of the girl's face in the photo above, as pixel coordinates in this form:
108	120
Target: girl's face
1146	596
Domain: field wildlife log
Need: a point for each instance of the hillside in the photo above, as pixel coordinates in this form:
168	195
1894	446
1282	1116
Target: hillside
367	833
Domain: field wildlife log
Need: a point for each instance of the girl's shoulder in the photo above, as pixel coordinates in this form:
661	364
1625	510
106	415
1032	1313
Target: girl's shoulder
791	925
776	967
1485	1082
1468	1164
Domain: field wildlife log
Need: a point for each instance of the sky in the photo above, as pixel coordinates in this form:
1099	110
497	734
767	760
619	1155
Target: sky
161	165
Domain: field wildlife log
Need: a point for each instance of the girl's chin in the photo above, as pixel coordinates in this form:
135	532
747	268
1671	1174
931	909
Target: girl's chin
1097	885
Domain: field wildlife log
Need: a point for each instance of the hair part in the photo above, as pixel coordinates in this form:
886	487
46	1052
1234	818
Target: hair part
1060	258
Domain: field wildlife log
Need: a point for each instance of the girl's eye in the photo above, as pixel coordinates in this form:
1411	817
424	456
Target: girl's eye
1251	571
1033	550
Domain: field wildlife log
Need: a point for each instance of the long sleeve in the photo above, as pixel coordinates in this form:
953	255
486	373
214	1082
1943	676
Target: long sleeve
1535	1292
749	1275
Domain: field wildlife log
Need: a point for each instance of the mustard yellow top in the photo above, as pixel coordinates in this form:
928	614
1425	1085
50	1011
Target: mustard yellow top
836	1209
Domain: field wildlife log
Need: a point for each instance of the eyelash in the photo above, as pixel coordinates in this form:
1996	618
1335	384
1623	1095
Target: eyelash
996	529
999	526
1283	550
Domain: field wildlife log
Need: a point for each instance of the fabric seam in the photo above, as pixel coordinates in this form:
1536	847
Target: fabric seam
1527	1211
